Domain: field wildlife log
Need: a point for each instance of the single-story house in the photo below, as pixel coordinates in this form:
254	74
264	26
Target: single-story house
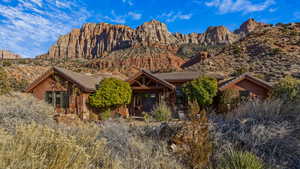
68	91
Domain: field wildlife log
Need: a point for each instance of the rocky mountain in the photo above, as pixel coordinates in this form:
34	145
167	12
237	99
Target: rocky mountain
271	52
98	40
4	54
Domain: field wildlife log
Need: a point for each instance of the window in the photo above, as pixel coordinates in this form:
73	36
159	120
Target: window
58	99
245	94
180	98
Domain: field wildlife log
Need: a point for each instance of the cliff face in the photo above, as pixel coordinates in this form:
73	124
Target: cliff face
98	40
4	54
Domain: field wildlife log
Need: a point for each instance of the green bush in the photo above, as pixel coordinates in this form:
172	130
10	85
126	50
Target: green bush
202	90
240	160
162	112
287	89
4	82
112	92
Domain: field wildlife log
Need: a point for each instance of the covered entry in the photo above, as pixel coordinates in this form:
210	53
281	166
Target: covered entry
149	90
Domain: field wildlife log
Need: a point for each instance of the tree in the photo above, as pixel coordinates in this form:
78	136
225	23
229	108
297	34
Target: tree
4	82
112	92
201	90
287	89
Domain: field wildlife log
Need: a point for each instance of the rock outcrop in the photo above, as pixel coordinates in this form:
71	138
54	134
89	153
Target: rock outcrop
98	40
4	54
248	26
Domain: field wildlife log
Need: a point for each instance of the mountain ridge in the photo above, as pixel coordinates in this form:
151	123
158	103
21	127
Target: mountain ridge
96	40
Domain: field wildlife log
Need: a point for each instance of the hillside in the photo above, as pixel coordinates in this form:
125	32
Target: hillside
271	51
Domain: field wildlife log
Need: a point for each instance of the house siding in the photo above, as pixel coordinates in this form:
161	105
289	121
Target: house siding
247	85
47	85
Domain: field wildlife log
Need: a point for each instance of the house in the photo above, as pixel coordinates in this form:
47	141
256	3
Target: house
69	91
248	86
66	90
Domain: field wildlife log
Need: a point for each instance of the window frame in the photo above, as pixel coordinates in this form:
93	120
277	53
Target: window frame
58	99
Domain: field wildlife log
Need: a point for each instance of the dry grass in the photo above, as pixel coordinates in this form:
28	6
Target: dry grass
23	108
135	151
269	129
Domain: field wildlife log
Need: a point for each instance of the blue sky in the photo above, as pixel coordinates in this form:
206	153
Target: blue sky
30	27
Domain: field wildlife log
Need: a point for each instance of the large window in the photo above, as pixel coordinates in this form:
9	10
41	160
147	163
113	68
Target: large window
58	99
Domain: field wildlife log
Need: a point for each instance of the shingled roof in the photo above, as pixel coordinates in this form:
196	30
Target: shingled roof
185	76
84	82
223	85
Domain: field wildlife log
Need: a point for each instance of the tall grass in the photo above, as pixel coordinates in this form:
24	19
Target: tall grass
24	108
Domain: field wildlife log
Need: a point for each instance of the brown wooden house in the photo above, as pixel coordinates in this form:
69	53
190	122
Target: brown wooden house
149	89
68	91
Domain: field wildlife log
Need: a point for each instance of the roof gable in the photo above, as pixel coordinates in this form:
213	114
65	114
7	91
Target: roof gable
151	76
84	82
246	76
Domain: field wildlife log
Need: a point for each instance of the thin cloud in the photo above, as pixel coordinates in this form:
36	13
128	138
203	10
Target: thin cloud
172	16
29	27
121	19
134	15
245	6
129	2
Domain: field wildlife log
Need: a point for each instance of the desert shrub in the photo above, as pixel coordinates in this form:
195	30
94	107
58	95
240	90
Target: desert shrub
40	147
6	63
106	114
147	117
202	90
241	70
229	96
129	145
18	85
228	99
24	108
240	160
275	51
269	129
4	83
236	49
112	92
193	140
162	112
287	88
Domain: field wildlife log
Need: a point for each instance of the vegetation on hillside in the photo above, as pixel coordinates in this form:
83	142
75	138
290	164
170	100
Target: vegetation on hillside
287	89
4	85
